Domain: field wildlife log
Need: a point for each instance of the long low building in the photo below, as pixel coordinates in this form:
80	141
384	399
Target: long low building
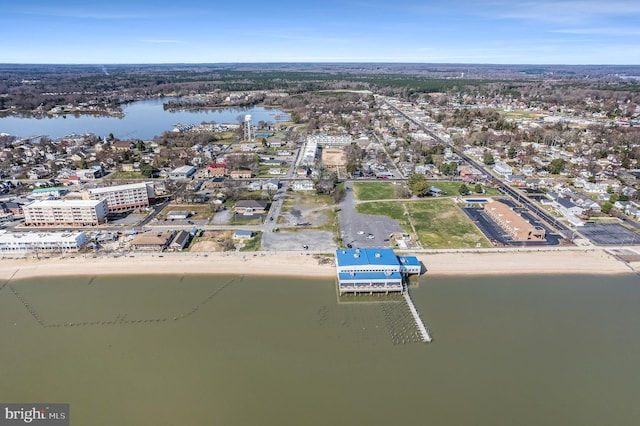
373	270
513	224
37	242
65	213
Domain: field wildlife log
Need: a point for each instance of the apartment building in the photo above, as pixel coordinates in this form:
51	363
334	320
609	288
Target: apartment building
65	213
31	242
123	198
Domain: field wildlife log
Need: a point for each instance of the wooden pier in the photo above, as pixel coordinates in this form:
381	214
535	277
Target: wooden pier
424	333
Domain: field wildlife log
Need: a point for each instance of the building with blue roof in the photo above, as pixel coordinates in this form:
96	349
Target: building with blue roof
373	270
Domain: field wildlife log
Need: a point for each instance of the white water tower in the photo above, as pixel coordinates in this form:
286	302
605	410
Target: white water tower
247	127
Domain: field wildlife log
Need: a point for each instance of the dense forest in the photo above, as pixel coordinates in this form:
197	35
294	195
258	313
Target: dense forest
32	88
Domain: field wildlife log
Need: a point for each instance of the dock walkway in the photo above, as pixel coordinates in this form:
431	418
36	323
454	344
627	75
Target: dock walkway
426	338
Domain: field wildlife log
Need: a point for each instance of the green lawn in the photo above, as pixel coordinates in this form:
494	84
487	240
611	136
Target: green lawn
392	209
375	190
439	222
126	175
451	188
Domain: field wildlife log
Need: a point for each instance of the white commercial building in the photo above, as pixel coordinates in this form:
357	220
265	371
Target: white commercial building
330	140
373	270
32	242
65	213
309	153
182	172
123	197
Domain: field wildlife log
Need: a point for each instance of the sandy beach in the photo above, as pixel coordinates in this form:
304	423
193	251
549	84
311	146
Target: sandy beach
592	262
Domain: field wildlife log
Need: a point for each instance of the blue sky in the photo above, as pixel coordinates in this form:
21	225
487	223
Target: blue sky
428	31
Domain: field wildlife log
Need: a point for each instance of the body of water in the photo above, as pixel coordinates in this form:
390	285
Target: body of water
202	350
142	120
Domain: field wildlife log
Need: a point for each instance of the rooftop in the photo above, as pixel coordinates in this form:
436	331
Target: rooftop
366	256
65	203
119	187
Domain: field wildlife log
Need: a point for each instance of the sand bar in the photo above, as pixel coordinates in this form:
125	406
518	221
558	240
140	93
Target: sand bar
592	262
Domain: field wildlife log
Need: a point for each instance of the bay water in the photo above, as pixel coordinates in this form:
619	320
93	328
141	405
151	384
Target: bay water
233	350
142	120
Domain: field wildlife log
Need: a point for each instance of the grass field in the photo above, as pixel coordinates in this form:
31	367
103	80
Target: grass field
126	175
451	188
439	223
365	191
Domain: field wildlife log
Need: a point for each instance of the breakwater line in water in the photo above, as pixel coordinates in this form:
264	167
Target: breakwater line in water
120	319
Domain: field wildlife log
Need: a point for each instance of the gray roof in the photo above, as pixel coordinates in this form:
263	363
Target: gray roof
565	202
261	204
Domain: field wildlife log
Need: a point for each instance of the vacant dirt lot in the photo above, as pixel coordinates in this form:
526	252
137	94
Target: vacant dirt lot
210	241
333	157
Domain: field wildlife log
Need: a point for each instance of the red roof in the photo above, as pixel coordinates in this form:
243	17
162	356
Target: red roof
216	166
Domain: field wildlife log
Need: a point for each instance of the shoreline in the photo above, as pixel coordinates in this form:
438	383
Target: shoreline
449	264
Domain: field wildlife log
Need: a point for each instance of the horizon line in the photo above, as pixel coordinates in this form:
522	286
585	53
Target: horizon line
321	62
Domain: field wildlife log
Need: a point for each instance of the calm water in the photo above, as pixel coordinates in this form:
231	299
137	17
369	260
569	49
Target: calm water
143	120
233	351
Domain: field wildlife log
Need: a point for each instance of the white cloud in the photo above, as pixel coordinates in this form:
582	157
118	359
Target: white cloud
600	31
569	11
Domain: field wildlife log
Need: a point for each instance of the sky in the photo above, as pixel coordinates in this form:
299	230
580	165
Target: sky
424	31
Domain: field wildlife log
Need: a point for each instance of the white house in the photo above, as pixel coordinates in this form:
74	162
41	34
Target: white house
503	168
302	185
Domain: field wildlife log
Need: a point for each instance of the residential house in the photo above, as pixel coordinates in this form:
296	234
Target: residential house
516	180
216	170
177	215
151	241
242	234
180	241
271	185
215	183
568	207
255	186
251	207
302	171
502	168
302	185
240	174
122	145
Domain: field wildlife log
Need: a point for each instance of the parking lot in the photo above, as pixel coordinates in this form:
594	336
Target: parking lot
496	235
363	230
609	234
316	241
